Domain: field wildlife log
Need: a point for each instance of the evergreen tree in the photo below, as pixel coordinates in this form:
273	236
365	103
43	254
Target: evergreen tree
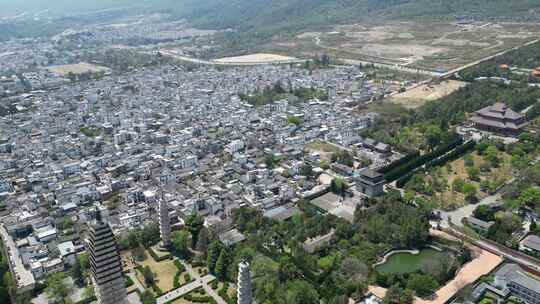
148	276
222	264
194	224
204	239
57	289
147	297
213	255
180	241
77	273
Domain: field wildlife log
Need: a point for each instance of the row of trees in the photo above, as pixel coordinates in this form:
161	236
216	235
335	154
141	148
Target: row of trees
272	93
7	283
526	57
452	108
407	169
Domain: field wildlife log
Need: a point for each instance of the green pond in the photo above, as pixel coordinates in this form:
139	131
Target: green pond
404	262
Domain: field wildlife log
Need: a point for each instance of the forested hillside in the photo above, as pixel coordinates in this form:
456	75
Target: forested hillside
292	14
268	17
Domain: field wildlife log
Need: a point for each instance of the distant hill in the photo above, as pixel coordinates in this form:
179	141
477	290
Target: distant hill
267	17
269	13
296	14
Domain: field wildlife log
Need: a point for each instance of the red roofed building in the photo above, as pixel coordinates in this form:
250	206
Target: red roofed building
499	118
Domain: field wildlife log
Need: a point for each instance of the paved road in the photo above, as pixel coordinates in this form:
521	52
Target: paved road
452	72
503	251
404	68
455	217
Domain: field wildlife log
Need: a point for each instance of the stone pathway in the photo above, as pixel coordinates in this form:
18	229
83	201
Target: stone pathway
133	277
204	283
198	282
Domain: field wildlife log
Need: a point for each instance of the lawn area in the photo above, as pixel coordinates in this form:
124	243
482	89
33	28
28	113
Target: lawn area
326	150
182	279
322	146
164	272
201	270
458	169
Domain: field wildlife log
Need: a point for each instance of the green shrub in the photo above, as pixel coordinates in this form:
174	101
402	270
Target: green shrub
128	281
159	259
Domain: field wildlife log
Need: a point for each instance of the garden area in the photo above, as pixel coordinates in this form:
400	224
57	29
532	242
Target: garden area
463	181
163	273
284	272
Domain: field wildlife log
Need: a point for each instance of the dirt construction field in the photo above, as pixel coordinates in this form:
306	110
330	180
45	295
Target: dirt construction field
255	58
76	69
428	45
416	97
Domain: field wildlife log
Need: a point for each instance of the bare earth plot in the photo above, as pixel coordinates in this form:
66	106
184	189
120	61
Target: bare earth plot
78	68
418	96
434	46
255	58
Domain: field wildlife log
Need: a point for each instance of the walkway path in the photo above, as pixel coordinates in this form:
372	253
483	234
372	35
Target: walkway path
177	293
500	250
455	217
133	277
204	283
198	282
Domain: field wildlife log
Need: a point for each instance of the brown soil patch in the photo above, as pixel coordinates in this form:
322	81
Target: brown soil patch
164	272
418	96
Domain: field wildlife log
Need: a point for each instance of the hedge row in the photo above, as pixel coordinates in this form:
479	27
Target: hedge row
414	163
178	273
128	281
178	265
198	264
157	258
407	158
455	154
87	300
200	299
224	295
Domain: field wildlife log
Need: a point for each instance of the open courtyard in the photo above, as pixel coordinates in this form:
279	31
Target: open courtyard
164	272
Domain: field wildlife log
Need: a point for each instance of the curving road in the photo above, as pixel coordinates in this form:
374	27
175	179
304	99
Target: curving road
449	218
